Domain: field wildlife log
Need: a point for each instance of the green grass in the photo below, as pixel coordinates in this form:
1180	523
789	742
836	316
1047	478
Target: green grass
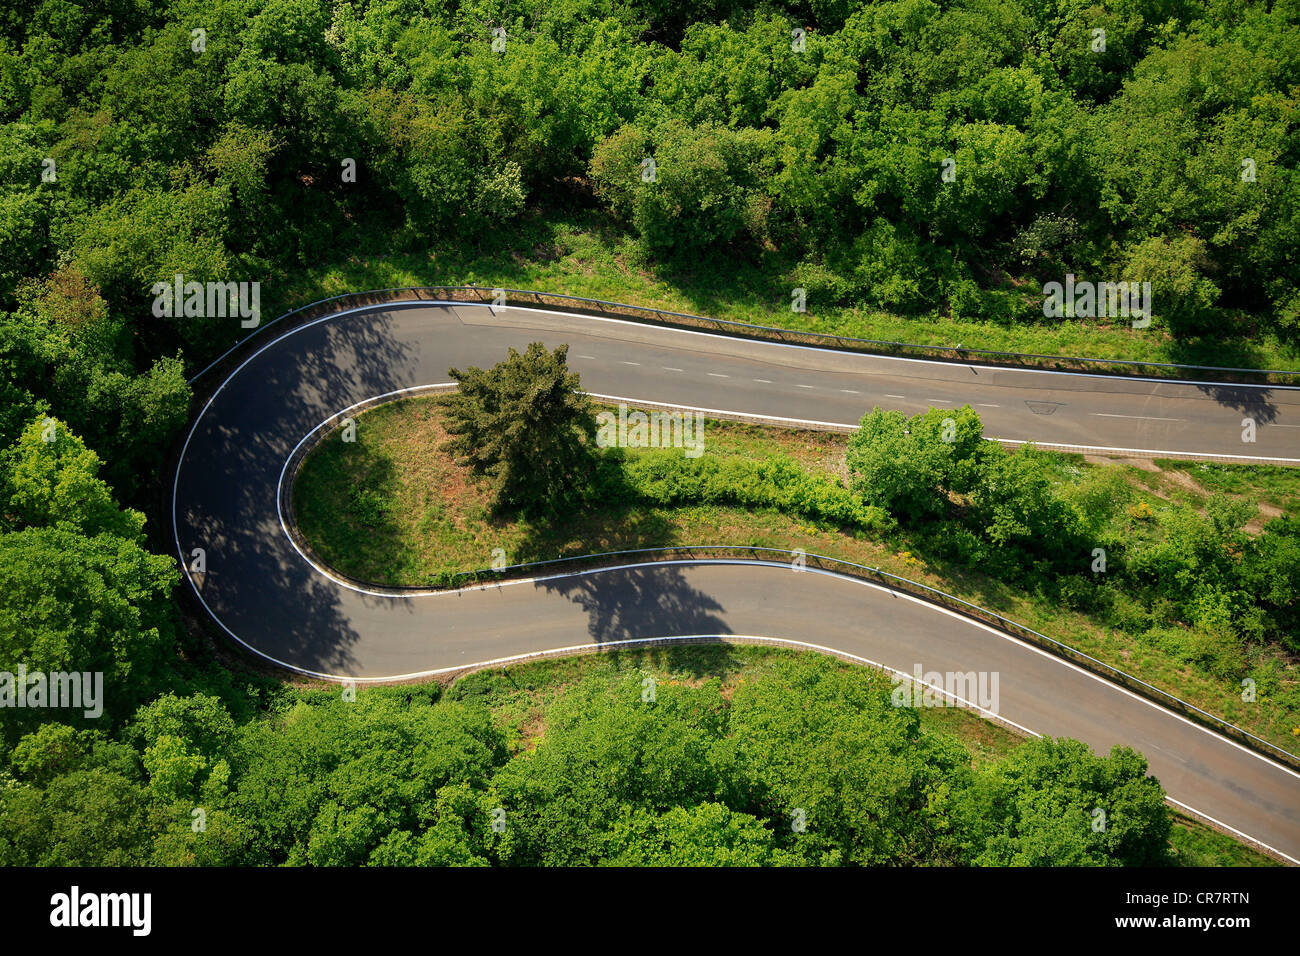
578	252
519	695
1276	485
389	508
1199	845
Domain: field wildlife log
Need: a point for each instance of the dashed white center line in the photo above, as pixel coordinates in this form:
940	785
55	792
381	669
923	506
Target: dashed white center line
895	396
851	391
987	405
629	363
765	381
592	357
718	375
669	368
805	386
1149	418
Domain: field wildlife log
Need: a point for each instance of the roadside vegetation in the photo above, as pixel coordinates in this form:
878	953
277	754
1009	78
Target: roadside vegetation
727	755
689	756
921	170
568	250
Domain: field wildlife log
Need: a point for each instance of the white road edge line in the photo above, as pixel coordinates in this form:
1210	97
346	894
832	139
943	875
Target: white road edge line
1145	418
199	417
1010	441
822	348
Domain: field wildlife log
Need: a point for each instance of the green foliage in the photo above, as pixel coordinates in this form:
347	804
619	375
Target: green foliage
801	761
225	164
666	477
332	781
710	834
525	426
74	603
1271	573
830	743
1180	291
437	165
908	466
823	166
1023	507
51	478
183	740
90	817
1209	585
1053	802
604	751
704	192
70	350
51	751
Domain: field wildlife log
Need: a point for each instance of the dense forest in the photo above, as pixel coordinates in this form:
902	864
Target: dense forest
806	763
918	157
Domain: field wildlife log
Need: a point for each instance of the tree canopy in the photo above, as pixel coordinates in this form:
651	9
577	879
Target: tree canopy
524	424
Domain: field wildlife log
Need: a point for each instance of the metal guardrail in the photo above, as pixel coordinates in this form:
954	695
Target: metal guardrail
877	576
572	303
417	295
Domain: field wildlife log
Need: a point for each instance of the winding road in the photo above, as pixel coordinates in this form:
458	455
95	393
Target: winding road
267	595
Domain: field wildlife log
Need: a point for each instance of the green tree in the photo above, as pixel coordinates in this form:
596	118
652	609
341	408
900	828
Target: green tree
524	425
73	350
51	479
75	603
1055	803
908	466
710	834
607	751
1018	505
843	775
1181	293
704	192
332	783
1271	572
91	817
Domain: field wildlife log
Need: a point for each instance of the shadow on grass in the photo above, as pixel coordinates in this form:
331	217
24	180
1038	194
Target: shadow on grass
704	660
345	502
1236	349
597	529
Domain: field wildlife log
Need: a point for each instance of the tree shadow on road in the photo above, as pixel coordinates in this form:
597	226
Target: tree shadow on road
652	601
1253	403
254	582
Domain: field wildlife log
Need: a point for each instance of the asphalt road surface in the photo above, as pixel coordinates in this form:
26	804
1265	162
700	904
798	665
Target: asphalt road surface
268	596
